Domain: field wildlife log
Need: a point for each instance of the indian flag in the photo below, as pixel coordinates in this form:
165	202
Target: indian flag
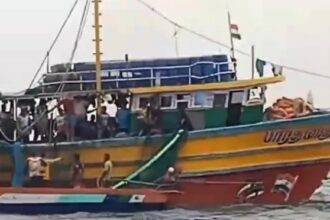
234	31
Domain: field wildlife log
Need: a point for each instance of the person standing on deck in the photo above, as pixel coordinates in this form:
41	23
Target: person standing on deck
123	118
80	109
7	123
41	128
70	118
23	123
105	177
103	124
45	165
34	168
78	172
109	103
60	126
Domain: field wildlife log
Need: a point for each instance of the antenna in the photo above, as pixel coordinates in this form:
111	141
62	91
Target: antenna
175	35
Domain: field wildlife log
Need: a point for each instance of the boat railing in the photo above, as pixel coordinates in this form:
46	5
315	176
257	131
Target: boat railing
147	67
144	78
196	73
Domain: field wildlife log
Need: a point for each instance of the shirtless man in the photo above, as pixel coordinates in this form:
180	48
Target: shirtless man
105	176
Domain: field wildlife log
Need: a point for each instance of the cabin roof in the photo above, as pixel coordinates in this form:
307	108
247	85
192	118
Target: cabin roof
233	85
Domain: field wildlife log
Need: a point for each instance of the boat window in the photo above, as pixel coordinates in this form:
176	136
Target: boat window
143	102
185	97
166	102
203	99
220	100
254	93
255	96
182	105
237	97
183	100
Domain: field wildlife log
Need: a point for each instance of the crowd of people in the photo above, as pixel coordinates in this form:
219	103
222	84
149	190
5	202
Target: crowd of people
39	177
37	171
74	118
71	118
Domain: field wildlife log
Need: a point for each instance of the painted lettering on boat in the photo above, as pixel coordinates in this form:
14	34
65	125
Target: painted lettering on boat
291	136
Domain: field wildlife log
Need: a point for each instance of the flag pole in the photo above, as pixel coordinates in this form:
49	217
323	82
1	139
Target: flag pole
231	41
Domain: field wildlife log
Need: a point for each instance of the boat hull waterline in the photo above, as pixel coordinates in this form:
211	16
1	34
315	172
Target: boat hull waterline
204	191
280	162
31	201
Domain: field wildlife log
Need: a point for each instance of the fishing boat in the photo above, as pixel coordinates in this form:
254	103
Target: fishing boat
213	130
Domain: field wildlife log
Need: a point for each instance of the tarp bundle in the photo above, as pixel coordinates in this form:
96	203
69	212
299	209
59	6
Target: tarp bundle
286	108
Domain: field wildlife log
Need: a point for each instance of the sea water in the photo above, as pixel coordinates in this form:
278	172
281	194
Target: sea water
318	209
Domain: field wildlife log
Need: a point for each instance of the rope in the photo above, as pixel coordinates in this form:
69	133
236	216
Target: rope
244	53
306	72
78	37
53	43
7	139
80	30
181	26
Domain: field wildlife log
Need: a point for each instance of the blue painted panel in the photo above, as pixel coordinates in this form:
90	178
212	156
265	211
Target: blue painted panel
82	198
112	206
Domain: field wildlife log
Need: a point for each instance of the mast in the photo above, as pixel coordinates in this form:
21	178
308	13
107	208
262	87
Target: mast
98	53
231	42
231	38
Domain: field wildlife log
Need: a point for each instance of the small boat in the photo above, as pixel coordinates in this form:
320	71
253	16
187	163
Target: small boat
67	200
32	201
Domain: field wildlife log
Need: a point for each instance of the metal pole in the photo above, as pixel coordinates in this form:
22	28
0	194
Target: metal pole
48	62
15	118
231	38
98	53
232	43
253	61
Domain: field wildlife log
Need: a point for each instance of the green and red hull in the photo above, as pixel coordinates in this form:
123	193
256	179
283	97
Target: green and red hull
204	191
249	186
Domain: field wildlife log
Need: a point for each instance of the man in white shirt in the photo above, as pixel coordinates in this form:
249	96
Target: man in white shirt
37	169
109	103
111	110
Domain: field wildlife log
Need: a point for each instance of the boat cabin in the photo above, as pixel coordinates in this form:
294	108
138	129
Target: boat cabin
157	95
206	105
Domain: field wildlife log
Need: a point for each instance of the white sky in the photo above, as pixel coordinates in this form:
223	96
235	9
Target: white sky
291	32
